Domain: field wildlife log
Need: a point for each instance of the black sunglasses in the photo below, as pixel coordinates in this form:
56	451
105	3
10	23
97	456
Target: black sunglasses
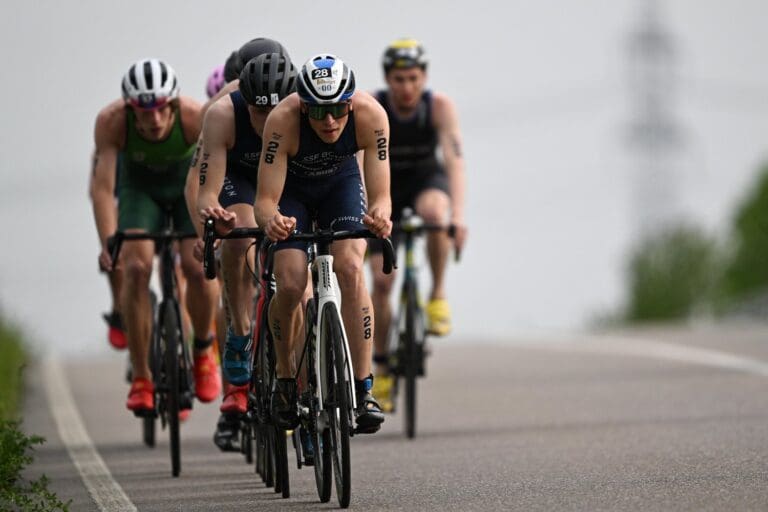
337	110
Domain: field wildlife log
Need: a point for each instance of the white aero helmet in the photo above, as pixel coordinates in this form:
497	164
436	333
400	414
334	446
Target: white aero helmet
150	83
325	79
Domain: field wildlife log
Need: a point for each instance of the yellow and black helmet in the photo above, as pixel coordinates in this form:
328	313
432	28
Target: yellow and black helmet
404	53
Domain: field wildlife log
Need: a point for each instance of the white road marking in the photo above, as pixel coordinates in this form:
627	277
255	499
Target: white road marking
104	490
643	347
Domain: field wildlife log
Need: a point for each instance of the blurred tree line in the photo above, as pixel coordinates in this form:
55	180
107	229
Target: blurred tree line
682	270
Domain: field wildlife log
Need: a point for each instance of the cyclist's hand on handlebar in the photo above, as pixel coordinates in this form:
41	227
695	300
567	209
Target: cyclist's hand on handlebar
224	220
378	223
105	260
279	227
460	235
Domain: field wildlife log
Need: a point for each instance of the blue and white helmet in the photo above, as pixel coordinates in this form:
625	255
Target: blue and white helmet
325	79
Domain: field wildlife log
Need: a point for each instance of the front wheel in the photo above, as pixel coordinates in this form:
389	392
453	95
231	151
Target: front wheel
318	430
171	334
338	402
413	344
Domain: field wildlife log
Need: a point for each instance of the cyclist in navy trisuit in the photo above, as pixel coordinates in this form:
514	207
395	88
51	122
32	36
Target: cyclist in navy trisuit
420	121
309	172
232	145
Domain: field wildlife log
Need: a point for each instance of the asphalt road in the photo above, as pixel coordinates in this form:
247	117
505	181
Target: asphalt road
665	419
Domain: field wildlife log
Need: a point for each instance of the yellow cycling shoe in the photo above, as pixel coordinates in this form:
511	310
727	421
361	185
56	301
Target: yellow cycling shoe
382	392
438	317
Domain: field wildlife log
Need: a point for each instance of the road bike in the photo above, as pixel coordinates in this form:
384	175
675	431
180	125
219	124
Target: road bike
408	332
169	357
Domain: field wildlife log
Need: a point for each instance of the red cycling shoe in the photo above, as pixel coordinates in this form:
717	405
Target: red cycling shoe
235	400
141	397
116	332
207	377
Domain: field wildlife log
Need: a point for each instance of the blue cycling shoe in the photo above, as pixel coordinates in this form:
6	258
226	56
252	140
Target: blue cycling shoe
237	359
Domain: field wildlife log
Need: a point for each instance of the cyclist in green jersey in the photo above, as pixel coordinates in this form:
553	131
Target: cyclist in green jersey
154	129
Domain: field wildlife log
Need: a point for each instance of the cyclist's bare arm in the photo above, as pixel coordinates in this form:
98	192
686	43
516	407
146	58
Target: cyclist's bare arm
191	118
109	136
192	185
228	88
218	136
447	123
280	141
372	132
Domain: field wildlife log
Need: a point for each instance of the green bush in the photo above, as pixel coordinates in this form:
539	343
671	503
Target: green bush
11	362
671	274
746	273
17	494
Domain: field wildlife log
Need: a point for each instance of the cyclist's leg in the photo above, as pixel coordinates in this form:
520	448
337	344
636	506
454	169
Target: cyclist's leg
343	208
137	213
200	296
433	205
238	290
137	260
356	305
382	290
382	307
237	196
285	314
358	317
286	322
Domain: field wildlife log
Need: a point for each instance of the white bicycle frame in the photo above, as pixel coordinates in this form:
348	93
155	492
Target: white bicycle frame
328	292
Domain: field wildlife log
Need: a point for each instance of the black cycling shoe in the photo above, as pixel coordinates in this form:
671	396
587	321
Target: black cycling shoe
284	411
227	434
307	450
369	413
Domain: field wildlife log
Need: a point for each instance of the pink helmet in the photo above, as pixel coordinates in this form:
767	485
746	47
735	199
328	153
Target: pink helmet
215	81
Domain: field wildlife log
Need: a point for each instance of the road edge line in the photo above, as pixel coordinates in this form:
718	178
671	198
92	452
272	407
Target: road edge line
103	488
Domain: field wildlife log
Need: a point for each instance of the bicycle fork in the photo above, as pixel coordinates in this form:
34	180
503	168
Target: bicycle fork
327	287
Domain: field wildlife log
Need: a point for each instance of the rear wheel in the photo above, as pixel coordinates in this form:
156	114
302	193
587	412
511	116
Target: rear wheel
282	484
338	403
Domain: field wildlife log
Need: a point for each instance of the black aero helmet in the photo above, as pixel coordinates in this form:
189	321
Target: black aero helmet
404	53
267	79
231	69
256	47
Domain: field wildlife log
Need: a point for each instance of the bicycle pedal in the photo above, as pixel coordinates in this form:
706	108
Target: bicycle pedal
185	401
370	429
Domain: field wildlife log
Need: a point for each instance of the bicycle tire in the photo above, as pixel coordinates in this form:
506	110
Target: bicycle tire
148	430
414	333
148	423
246	442
281	463
321	439
171	336
338	405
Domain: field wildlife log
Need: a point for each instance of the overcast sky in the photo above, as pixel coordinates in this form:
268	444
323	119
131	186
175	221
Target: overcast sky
541	88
